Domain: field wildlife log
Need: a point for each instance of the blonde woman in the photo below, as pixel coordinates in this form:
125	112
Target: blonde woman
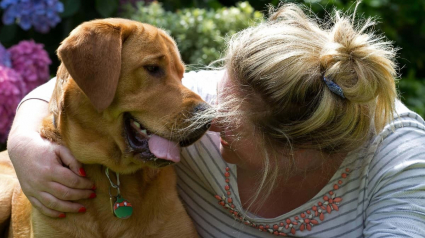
312	140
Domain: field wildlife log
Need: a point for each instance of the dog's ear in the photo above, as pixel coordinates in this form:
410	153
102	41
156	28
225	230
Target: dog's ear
92	56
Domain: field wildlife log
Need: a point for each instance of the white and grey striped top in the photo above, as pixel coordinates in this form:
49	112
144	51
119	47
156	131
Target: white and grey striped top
381	195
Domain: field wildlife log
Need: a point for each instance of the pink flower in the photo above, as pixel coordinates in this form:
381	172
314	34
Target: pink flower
11	93
31	61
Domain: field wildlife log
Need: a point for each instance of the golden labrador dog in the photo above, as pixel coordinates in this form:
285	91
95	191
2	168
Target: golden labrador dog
118	104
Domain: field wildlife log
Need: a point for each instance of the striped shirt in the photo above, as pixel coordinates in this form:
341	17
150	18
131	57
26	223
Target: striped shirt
378	191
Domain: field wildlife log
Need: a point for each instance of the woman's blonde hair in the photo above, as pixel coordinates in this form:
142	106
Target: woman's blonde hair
283	61
278	70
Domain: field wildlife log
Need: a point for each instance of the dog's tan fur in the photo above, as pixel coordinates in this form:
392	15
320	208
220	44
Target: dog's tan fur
103	74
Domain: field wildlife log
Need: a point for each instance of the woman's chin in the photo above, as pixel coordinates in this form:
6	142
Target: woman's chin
229	155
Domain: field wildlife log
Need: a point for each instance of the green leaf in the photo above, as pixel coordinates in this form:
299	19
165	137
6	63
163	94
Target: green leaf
70	7
106	8
214	4
7	33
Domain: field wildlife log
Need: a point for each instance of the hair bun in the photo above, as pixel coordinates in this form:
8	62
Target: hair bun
358	61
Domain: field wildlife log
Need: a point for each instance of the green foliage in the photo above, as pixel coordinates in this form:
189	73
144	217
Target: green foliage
106	8
200	33
172	5
412	93
70	7
402	22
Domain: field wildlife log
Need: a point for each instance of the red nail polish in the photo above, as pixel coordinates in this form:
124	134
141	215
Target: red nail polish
82	210
94	187
93	195
82	172
62	215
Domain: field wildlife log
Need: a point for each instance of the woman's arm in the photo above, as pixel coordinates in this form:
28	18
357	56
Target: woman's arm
49	175
395	204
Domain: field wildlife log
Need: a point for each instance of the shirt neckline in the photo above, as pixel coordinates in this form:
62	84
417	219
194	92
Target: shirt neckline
329	187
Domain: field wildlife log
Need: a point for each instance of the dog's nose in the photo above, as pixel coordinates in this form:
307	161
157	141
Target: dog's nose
203	117
202	107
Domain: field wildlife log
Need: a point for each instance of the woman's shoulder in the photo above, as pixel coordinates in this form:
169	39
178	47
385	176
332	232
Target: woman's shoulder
394	173
404	118
402	136
396	155
405	130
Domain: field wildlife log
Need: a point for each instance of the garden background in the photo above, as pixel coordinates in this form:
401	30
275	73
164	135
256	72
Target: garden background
31	30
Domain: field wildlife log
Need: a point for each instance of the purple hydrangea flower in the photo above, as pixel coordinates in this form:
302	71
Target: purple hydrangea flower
42	14
11	92
31	61
5	57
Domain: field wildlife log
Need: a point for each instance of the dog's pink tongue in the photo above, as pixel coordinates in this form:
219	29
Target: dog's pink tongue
164	149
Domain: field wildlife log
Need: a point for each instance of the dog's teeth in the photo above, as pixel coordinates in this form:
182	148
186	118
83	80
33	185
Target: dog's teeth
136	123
144	131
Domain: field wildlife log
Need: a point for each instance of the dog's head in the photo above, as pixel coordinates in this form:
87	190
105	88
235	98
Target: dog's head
119	100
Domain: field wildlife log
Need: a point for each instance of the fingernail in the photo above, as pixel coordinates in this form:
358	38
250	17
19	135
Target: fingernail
62	215
82	210
94	187
82	172
93	195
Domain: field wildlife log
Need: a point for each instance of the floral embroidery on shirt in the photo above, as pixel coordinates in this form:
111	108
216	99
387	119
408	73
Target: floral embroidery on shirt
305	221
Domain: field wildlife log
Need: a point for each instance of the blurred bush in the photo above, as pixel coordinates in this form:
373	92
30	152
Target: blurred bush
199	33
412	93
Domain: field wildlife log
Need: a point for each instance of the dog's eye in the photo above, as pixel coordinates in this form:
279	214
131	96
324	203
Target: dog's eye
153	69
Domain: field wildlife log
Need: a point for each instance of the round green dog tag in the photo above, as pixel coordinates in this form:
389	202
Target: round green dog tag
122	208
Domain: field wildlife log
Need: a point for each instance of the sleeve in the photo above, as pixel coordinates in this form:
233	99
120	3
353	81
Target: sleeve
395	201
204	83
42	92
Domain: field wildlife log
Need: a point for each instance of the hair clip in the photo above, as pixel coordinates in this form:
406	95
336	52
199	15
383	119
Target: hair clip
334	87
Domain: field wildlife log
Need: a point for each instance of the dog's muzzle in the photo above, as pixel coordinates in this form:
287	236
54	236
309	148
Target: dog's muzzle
137	137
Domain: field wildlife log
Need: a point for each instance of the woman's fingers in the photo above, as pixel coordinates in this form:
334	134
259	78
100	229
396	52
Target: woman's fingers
45	210
69	179
53	203
69	194
66	158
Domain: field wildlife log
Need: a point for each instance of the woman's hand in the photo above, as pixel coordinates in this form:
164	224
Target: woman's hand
49	175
